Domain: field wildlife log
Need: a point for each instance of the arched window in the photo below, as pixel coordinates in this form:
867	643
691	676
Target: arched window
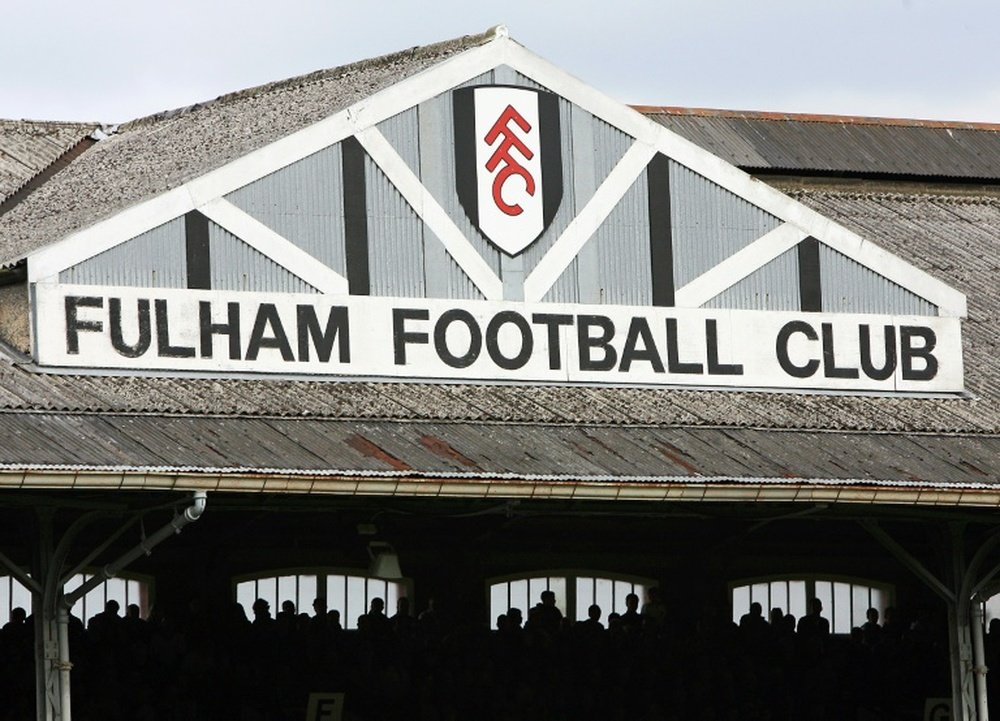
126	589
348	591
575	591
845	600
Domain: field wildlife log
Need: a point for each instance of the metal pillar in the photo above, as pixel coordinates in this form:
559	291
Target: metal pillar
966	656
50	606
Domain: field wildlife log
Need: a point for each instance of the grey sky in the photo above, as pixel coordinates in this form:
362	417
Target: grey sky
120	59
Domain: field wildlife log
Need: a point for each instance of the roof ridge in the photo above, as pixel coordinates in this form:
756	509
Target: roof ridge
814	117
51	123
312	77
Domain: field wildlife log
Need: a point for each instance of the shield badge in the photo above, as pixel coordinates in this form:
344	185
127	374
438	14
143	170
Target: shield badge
508	165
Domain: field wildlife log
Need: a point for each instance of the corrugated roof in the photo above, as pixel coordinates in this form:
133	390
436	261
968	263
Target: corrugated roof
283	446
800	143
151	155
951	236
85	421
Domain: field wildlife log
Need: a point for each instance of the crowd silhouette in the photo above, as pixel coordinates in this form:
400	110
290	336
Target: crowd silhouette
641	664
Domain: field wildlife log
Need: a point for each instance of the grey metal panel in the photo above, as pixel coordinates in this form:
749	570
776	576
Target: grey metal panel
622	244
303	202
566	287
709	223
591	148
849	287
237	266
775	286
437	173
155	259
403	133
395	239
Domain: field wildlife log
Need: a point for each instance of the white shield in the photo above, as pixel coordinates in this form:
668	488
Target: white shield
516	187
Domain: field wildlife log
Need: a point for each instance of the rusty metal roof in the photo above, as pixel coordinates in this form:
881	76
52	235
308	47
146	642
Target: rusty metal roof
475	450
807	144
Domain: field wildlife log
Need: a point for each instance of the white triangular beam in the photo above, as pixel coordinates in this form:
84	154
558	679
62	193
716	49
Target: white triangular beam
281	250
430	211
738	266
587	221
949	301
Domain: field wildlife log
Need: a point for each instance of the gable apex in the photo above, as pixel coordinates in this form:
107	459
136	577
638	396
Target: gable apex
489	52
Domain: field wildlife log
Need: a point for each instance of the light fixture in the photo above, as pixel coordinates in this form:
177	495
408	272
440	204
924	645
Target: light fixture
384	560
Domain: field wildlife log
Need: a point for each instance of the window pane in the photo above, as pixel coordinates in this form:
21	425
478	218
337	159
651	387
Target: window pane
824	592
20	597
758	593
93	603
286	592
741	602
519	597
336	596
779	597
116	592
604	594
245	597
307	594
355	602
880	599
584	597
797	600
622	589
992	608
558	587
5	600
859	605
392	593
498	600
841	608
535	588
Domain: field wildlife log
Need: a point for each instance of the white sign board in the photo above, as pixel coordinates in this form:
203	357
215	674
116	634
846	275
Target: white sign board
417	338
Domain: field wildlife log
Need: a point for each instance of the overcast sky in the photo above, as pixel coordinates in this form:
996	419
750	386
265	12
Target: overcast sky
119	59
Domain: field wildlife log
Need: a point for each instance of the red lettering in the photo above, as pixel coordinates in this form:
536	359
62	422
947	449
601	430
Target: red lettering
503	155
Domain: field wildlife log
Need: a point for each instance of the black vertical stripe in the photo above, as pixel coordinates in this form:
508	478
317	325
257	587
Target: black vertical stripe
810	289
355	217
464	109
198	256
550	140
661	244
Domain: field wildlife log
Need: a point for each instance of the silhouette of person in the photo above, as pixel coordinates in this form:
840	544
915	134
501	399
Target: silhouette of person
813	625
871	632
631	620
545	616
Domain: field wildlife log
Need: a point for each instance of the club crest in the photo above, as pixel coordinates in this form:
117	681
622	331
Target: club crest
508	169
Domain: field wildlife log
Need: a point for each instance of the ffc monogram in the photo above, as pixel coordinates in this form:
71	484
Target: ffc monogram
508	164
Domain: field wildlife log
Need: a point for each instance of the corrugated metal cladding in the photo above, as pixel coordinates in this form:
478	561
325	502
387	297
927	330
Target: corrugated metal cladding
237	266
775	286
621	245
709	223
395	239
590	149
155	259
849	287
303	203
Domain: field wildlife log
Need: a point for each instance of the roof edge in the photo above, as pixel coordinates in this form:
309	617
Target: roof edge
813	117
507	485
319	75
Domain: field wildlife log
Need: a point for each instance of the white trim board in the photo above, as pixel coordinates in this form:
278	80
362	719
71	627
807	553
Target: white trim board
361	117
